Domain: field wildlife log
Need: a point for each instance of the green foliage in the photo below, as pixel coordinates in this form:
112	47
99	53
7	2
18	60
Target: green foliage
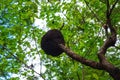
82	30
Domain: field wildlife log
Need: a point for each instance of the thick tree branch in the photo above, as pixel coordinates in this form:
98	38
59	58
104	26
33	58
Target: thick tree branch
80	59
110	41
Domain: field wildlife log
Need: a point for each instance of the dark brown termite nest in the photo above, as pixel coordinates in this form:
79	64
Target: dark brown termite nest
50	41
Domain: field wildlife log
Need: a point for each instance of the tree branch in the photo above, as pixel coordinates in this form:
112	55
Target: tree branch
95	15
108	7
80	59
110	41
23	63
113	7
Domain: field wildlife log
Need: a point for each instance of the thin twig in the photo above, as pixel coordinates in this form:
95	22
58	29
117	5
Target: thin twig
113	7
92	11
23	63
37	50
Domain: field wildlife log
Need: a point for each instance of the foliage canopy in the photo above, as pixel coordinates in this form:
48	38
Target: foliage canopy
80	21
